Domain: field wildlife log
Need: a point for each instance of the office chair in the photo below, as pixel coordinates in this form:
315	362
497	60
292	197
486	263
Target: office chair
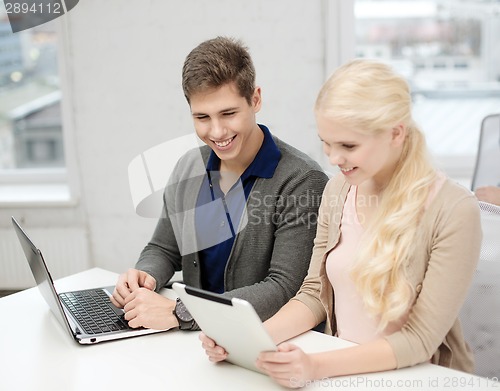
480	314
487	169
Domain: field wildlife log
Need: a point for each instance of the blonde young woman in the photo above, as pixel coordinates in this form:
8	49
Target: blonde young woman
396	246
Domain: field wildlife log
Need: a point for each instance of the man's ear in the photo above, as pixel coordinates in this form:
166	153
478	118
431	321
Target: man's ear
257	99
398	134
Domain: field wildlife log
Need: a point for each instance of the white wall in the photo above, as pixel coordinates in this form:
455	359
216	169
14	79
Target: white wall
122	95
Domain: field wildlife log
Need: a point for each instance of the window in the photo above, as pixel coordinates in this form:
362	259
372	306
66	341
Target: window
31	136
450	53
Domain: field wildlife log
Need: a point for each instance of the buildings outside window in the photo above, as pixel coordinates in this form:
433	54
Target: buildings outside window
450	53
30	115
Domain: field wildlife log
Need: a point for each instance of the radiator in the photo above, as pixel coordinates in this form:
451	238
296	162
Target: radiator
65	251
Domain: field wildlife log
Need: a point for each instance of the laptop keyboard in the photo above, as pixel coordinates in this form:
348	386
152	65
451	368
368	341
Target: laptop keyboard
93	311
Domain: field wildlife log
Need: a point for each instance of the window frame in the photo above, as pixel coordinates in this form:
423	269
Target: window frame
49	186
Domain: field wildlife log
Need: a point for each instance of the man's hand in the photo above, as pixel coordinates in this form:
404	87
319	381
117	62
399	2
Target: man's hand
129	282
146	308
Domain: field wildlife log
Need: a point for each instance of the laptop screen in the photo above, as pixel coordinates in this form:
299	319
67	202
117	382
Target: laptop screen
41	274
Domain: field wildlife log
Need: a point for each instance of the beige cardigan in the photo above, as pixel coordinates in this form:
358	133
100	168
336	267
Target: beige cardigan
440	272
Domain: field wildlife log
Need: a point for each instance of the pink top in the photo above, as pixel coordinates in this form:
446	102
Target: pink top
354	323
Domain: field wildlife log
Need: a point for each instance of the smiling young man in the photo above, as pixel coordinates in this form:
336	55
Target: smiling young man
245	225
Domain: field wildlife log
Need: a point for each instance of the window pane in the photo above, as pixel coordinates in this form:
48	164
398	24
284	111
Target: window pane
30	98
450	53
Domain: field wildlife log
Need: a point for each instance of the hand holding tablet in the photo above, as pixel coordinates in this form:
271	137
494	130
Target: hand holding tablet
231	323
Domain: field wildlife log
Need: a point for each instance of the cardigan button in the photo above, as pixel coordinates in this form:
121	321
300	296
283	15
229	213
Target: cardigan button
418	288
195	264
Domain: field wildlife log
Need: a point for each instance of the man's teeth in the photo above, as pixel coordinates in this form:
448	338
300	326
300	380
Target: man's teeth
346	169
223	143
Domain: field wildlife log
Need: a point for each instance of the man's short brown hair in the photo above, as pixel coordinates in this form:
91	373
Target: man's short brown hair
217	62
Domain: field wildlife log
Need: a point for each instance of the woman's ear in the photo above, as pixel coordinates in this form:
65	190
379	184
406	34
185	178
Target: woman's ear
398	135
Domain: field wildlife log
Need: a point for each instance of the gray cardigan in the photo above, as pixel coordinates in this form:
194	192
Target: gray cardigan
270	255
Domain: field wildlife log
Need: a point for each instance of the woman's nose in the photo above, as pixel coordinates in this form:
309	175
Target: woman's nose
335	158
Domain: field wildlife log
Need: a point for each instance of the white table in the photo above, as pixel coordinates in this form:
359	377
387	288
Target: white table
37	354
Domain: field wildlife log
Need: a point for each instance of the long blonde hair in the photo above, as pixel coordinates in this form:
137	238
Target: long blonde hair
371	97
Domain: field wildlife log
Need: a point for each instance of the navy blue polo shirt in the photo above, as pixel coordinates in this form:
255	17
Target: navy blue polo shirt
218	216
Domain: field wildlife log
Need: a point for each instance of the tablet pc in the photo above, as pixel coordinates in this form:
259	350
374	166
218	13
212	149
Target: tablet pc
231	323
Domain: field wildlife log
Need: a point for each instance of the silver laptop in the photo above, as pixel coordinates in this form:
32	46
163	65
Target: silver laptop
88	315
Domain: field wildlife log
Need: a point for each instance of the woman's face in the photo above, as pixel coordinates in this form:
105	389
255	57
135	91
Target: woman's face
360	156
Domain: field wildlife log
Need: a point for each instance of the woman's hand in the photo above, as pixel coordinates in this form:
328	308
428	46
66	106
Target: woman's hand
289	366
214	352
